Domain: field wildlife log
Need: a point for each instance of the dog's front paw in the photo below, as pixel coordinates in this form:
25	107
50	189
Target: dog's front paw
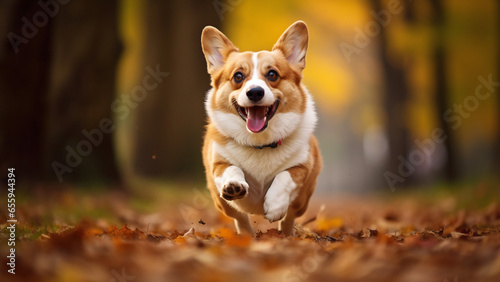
275	207
234	190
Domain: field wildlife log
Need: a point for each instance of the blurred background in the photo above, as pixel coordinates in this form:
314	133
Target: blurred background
108	92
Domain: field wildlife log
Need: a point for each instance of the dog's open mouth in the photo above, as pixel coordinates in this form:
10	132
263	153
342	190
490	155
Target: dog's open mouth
257	117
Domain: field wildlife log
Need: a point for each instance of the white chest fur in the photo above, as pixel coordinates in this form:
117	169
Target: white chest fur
263	164
260	166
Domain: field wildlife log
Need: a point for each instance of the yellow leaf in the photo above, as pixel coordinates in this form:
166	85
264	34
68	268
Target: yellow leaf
325	224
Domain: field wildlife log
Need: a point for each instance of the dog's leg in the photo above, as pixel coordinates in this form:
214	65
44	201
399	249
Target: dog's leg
232	184
242	223
286	224
241	220
279	196
286	186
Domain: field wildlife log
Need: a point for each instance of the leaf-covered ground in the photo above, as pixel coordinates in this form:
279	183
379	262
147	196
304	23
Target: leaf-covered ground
163	235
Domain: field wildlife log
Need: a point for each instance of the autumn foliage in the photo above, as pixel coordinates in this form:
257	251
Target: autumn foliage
339	239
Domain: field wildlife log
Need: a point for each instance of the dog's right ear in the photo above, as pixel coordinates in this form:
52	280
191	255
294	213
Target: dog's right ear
216	48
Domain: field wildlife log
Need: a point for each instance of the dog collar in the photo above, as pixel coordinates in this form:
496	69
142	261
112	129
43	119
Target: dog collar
272	145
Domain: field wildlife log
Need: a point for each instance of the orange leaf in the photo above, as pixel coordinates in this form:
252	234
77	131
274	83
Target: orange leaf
226	233
239	241
93	231
180	240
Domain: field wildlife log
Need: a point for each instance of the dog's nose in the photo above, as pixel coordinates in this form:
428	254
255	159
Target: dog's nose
255	94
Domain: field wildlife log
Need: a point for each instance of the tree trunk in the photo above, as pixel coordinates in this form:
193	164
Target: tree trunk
80	124
170	119
396	94
496	155
442	103
24	76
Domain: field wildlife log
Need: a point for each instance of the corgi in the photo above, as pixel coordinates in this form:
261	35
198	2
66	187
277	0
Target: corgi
259	151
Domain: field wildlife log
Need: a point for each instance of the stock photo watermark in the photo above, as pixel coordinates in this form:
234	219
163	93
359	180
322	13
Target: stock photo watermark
191	213
363	36
302	271
121	276
121	107
222	7
11	221
48	9
454	116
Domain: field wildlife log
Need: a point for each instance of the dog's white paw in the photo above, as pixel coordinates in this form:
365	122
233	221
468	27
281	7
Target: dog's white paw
233	190
276	206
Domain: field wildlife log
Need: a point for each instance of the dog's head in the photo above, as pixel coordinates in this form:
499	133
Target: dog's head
257	97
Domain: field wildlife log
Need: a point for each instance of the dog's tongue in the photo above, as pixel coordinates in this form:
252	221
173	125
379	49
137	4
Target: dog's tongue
256	118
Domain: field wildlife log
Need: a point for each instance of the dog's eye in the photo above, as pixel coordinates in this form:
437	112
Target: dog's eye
238	77
272	75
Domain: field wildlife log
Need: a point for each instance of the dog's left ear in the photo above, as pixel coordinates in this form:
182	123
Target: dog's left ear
216	48
293	44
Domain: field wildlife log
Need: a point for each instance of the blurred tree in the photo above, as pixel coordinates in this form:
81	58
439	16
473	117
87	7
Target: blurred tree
170	120
24	77
496	156
395	99
57	82
86	48
441	89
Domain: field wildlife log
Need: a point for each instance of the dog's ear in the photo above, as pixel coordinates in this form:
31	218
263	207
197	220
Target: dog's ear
293	44
216	48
